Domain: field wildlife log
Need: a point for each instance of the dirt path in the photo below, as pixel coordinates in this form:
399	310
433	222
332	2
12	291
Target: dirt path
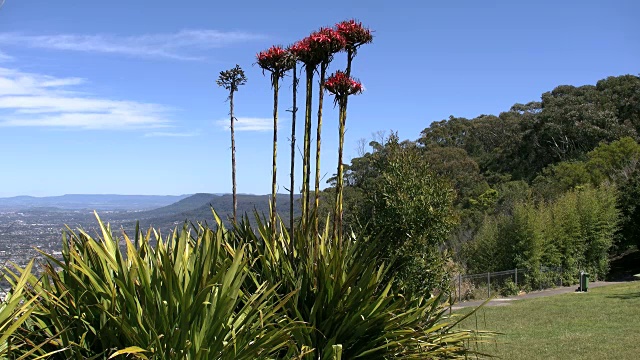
531	295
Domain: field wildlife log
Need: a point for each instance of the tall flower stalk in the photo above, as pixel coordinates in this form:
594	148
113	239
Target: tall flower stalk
294	110
277	61
327	42
230	80
355	36
305	51
341	86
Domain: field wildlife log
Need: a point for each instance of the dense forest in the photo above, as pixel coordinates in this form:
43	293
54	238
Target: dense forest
554	182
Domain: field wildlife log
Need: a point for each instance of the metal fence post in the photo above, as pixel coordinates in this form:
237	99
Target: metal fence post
459	287
516	276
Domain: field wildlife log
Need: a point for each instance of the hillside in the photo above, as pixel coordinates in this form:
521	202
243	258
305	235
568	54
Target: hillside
553	182
197	208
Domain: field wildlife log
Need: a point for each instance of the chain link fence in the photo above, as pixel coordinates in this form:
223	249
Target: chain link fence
505	283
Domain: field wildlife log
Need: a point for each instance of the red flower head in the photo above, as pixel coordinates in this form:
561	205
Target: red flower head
304	50
276	60
354	33
318	46
341	85
327	42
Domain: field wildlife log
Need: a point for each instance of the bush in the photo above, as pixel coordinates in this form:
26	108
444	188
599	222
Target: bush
509	288
348	300
574	232
407	213
205	293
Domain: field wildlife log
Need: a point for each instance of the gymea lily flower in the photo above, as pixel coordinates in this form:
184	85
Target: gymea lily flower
306	51
354	33
277	61
355	36
342	86
324	43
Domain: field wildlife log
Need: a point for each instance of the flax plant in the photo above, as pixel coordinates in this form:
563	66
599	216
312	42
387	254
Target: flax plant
230	80
277	61
182	298
16	309
347	301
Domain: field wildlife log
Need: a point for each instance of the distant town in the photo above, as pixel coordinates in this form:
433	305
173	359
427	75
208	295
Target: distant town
29	224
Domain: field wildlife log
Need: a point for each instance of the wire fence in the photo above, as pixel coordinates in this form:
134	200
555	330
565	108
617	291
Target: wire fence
505	283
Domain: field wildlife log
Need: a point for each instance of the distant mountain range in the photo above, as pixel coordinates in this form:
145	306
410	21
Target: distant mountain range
197	208
92	202
161	212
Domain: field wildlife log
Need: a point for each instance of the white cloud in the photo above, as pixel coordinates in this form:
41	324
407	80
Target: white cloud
183	45
4	56
35	100
248	124
170	134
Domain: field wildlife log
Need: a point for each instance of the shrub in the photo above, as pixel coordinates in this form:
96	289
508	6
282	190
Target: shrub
347	300
574	232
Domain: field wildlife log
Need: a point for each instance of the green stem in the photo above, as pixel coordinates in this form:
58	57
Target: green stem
337	230
233	160
276	86
323	71
293	159
306	168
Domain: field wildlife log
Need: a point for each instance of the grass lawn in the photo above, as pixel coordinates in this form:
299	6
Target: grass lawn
601	324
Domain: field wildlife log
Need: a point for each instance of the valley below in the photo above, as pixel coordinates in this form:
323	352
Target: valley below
30	224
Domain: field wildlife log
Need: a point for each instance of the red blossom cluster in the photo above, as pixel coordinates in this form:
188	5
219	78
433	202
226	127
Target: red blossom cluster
354	33
341	85
302	50
318	46
275	59
305	50
327	41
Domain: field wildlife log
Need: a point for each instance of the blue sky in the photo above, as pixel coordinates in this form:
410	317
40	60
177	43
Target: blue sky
120	96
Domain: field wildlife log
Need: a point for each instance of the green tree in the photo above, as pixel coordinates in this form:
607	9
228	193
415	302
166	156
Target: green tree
619	162
407	211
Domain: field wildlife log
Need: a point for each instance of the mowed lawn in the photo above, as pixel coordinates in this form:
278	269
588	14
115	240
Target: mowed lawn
601	324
